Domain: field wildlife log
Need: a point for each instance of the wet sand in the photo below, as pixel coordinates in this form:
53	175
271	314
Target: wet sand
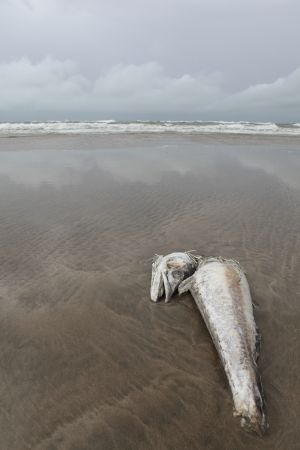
86	360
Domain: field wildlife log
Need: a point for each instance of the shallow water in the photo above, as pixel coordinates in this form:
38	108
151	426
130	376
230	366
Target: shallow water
87	361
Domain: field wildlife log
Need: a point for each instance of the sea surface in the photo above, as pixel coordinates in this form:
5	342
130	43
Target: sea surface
87	361
139	126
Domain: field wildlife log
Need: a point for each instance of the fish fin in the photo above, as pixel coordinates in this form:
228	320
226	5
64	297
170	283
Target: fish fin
260	404
186	285
257	343
195	258
255	305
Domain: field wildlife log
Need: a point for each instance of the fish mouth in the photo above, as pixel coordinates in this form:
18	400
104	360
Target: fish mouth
157	284
169	286
167	274
161	285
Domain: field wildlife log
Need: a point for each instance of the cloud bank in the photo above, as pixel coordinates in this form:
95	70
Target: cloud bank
53	89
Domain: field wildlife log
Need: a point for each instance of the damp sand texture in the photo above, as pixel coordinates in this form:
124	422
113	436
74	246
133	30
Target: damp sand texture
87	361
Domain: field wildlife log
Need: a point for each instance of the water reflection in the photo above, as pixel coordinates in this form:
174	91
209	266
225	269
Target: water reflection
59	167
147	165
83	351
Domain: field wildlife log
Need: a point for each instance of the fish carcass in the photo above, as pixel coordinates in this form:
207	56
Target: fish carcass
169	271
222	294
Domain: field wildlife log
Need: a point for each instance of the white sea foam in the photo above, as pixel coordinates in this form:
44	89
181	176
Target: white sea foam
112	127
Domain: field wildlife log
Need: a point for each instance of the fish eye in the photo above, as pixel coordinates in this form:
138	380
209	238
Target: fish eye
176	273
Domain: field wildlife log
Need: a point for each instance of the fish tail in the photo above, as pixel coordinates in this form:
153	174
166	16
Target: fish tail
258	422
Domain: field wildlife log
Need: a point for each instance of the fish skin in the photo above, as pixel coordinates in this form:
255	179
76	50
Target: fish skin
168	272
222	294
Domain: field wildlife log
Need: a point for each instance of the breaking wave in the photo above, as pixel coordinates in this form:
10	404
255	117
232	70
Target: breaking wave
112	127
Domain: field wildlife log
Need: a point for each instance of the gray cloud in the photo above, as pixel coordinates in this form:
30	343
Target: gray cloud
55	89
168	58
279	100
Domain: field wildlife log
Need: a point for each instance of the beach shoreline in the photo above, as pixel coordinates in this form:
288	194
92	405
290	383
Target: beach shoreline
88	361
116	140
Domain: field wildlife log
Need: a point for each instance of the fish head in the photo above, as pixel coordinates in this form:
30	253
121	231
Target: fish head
157	284
168	272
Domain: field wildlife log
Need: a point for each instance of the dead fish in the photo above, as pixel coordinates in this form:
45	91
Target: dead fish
169	271
222	294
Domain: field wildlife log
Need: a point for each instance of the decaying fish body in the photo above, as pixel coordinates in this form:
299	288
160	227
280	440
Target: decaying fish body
168	272
222	294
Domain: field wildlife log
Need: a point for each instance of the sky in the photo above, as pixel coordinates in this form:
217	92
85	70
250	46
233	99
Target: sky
157	60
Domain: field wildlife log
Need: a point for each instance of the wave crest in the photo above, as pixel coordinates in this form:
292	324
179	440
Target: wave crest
115	127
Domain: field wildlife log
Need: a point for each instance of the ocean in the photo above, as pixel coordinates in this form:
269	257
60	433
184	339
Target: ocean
112	126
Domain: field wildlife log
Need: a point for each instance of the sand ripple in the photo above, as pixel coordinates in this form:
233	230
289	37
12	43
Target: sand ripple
87	361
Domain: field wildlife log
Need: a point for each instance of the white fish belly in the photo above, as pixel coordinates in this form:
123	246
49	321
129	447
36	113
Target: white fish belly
222	294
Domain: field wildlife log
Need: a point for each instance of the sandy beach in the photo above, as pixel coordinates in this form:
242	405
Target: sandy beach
87	361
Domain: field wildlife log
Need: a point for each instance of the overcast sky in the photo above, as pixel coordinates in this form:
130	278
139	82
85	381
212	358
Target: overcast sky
150	59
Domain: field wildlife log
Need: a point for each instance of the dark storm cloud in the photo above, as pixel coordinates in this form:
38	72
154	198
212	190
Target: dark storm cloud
177	59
